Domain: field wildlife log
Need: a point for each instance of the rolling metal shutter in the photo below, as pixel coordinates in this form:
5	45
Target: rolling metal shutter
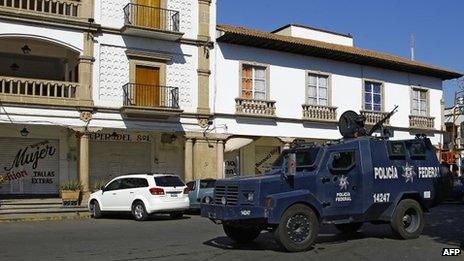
109	159
29	166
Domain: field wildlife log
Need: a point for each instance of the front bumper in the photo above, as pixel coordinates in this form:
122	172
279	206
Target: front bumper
231	213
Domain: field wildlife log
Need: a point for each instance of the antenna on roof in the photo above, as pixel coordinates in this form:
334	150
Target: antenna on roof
411	45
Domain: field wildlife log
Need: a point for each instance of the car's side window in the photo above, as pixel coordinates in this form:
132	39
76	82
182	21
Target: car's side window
342	162
191	185
113	185
141	183
127	183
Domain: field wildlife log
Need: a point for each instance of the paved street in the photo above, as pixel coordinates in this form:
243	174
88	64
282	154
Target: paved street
195	238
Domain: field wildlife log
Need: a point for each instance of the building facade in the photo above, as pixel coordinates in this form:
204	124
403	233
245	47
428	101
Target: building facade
90	90
295	82
94	89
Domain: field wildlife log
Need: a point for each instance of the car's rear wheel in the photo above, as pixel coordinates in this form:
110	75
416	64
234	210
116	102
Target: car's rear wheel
139	211
176	215
298	228
349	228
408	219
95	209
241	234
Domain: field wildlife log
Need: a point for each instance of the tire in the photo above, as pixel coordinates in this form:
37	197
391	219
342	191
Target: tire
298	228
95	209
241	235
139	211
176	215
408	219
349	228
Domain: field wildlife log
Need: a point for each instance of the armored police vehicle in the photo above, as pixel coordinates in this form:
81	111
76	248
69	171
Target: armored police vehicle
360	178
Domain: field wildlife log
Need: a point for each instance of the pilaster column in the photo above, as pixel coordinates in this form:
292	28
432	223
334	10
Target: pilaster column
84	162
220	159
86	9
203	56
188	164
203	19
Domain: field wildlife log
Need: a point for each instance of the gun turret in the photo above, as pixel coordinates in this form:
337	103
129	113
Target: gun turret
380	123
351	124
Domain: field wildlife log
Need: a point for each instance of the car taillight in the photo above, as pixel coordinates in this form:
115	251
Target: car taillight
157	191
186	190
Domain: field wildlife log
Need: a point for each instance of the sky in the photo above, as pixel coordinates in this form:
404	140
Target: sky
386	26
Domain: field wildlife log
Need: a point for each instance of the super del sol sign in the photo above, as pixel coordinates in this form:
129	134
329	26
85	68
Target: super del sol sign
29	166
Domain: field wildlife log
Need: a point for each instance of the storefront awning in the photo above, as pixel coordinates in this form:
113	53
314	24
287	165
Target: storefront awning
236	143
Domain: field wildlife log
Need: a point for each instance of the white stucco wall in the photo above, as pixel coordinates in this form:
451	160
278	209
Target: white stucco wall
69	38
287	88
312	34
111	68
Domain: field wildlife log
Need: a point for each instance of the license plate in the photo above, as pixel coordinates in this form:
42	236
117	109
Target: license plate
173	195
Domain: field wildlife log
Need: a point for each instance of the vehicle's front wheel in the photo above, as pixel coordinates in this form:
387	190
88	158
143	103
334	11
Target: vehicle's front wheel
240	234
298	228
408	219
349	228
95	209
139	211
176	215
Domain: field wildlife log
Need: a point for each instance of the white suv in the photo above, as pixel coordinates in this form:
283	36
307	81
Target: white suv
141	194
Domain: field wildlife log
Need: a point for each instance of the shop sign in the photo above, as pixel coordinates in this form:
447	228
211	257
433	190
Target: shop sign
33	164
265	156
118	136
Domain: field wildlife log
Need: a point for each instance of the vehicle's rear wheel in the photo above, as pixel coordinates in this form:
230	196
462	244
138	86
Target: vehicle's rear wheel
241	234
349	228
139	211
176	215
95	209
408	219
298	228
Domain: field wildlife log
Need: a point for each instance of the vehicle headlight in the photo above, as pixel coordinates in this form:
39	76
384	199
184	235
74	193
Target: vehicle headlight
207	200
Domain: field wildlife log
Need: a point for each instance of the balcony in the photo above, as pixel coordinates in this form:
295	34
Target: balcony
257	108
150	100
372	117
38	91
62	11
151	22
319	113
421	122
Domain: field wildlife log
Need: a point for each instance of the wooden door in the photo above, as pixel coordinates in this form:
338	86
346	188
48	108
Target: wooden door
147	87
149	13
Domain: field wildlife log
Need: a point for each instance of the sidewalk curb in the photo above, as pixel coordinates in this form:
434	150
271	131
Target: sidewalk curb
46	218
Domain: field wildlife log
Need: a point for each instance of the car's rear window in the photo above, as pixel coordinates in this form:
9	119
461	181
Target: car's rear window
168	181
207	183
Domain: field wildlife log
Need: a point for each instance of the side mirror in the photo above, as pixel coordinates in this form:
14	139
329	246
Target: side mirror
291	164
102	188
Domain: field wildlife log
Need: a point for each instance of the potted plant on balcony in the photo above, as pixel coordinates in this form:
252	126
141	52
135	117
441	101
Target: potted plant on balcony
70	192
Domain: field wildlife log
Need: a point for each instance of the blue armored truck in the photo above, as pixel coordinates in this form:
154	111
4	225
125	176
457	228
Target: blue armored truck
360	178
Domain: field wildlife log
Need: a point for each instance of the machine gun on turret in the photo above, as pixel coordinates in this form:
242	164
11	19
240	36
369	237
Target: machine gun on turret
352	125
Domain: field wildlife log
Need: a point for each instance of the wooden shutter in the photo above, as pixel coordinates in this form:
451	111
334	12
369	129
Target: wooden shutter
147	86
247	82
148	13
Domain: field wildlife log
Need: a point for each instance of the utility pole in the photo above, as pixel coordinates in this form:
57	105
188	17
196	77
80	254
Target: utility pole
411	45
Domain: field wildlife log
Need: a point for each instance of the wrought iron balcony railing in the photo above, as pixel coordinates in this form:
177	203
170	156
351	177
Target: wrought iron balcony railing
69	8
38	88
372	117
421	122
319	112
151	96
255	107
151	17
